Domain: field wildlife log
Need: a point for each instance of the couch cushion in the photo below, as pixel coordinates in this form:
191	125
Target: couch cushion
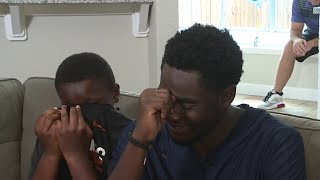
310	132
40	95
128	104
11	99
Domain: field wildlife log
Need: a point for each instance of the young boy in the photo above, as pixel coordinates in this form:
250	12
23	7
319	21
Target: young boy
86	86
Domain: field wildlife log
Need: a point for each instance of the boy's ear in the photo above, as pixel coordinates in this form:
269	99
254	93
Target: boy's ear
228	96
116	93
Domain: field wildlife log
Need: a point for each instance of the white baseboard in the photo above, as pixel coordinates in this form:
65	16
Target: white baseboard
289	92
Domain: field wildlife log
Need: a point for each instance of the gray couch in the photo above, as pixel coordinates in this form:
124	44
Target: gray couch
21	104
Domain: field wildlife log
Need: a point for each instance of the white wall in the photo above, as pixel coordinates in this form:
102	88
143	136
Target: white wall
164	18
135	61
53	38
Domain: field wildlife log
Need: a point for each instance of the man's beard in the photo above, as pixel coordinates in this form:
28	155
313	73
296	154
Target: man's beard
195	138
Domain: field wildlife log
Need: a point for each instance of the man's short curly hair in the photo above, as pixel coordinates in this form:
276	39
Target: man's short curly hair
209	51
83	66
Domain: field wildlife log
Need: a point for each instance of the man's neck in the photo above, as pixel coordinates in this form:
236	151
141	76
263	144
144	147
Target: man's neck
220	132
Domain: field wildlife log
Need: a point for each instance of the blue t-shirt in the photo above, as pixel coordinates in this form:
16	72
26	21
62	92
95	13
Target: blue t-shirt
258	148
302	12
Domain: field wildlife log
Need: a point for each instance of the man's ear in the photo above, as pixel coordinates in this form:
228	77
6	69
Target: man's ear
116	93
228	96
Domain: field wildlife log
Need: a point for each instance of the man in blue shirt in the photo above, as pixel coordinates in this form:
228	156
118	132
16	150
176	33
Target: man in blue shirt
300	46
188	129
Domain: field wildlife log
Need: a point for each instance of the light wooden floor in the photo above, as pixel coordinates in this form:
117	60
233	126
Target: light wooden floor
295	107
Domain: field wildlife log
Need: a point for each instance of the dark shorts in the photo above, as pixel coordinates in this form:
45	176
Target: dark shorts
307	35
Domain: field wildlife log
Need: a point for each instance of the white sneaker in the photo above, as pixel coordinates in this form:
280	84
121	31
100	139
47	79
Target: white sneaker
272	100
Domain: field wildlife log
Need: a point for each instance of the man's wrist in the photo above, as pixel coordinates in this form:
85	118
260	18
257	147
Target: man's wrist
146	139
143	145
295	38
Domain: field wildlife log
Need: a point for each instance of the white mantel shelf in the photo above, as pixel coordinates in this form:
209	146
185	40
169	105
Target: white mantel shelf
14	22
72	1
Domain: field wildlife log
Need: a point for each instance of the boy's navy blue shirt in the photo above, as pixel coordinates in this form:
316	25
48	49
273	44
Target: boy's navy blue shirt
258	148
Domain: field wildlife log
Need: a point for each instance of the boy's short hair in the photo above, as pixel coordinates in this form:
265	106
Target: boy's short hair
82	66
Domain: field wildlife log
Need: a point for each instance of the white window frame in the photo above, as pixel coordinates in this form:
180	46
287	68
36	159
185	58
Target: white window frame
266	38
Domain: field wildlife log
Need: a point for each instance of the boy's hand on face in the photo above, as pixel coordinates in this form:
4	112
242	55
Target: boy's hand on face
154	107
74	135
46	128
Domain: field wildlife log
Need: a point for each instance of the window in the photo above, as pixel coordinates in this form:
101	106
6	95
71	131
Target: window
247	21
283	15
